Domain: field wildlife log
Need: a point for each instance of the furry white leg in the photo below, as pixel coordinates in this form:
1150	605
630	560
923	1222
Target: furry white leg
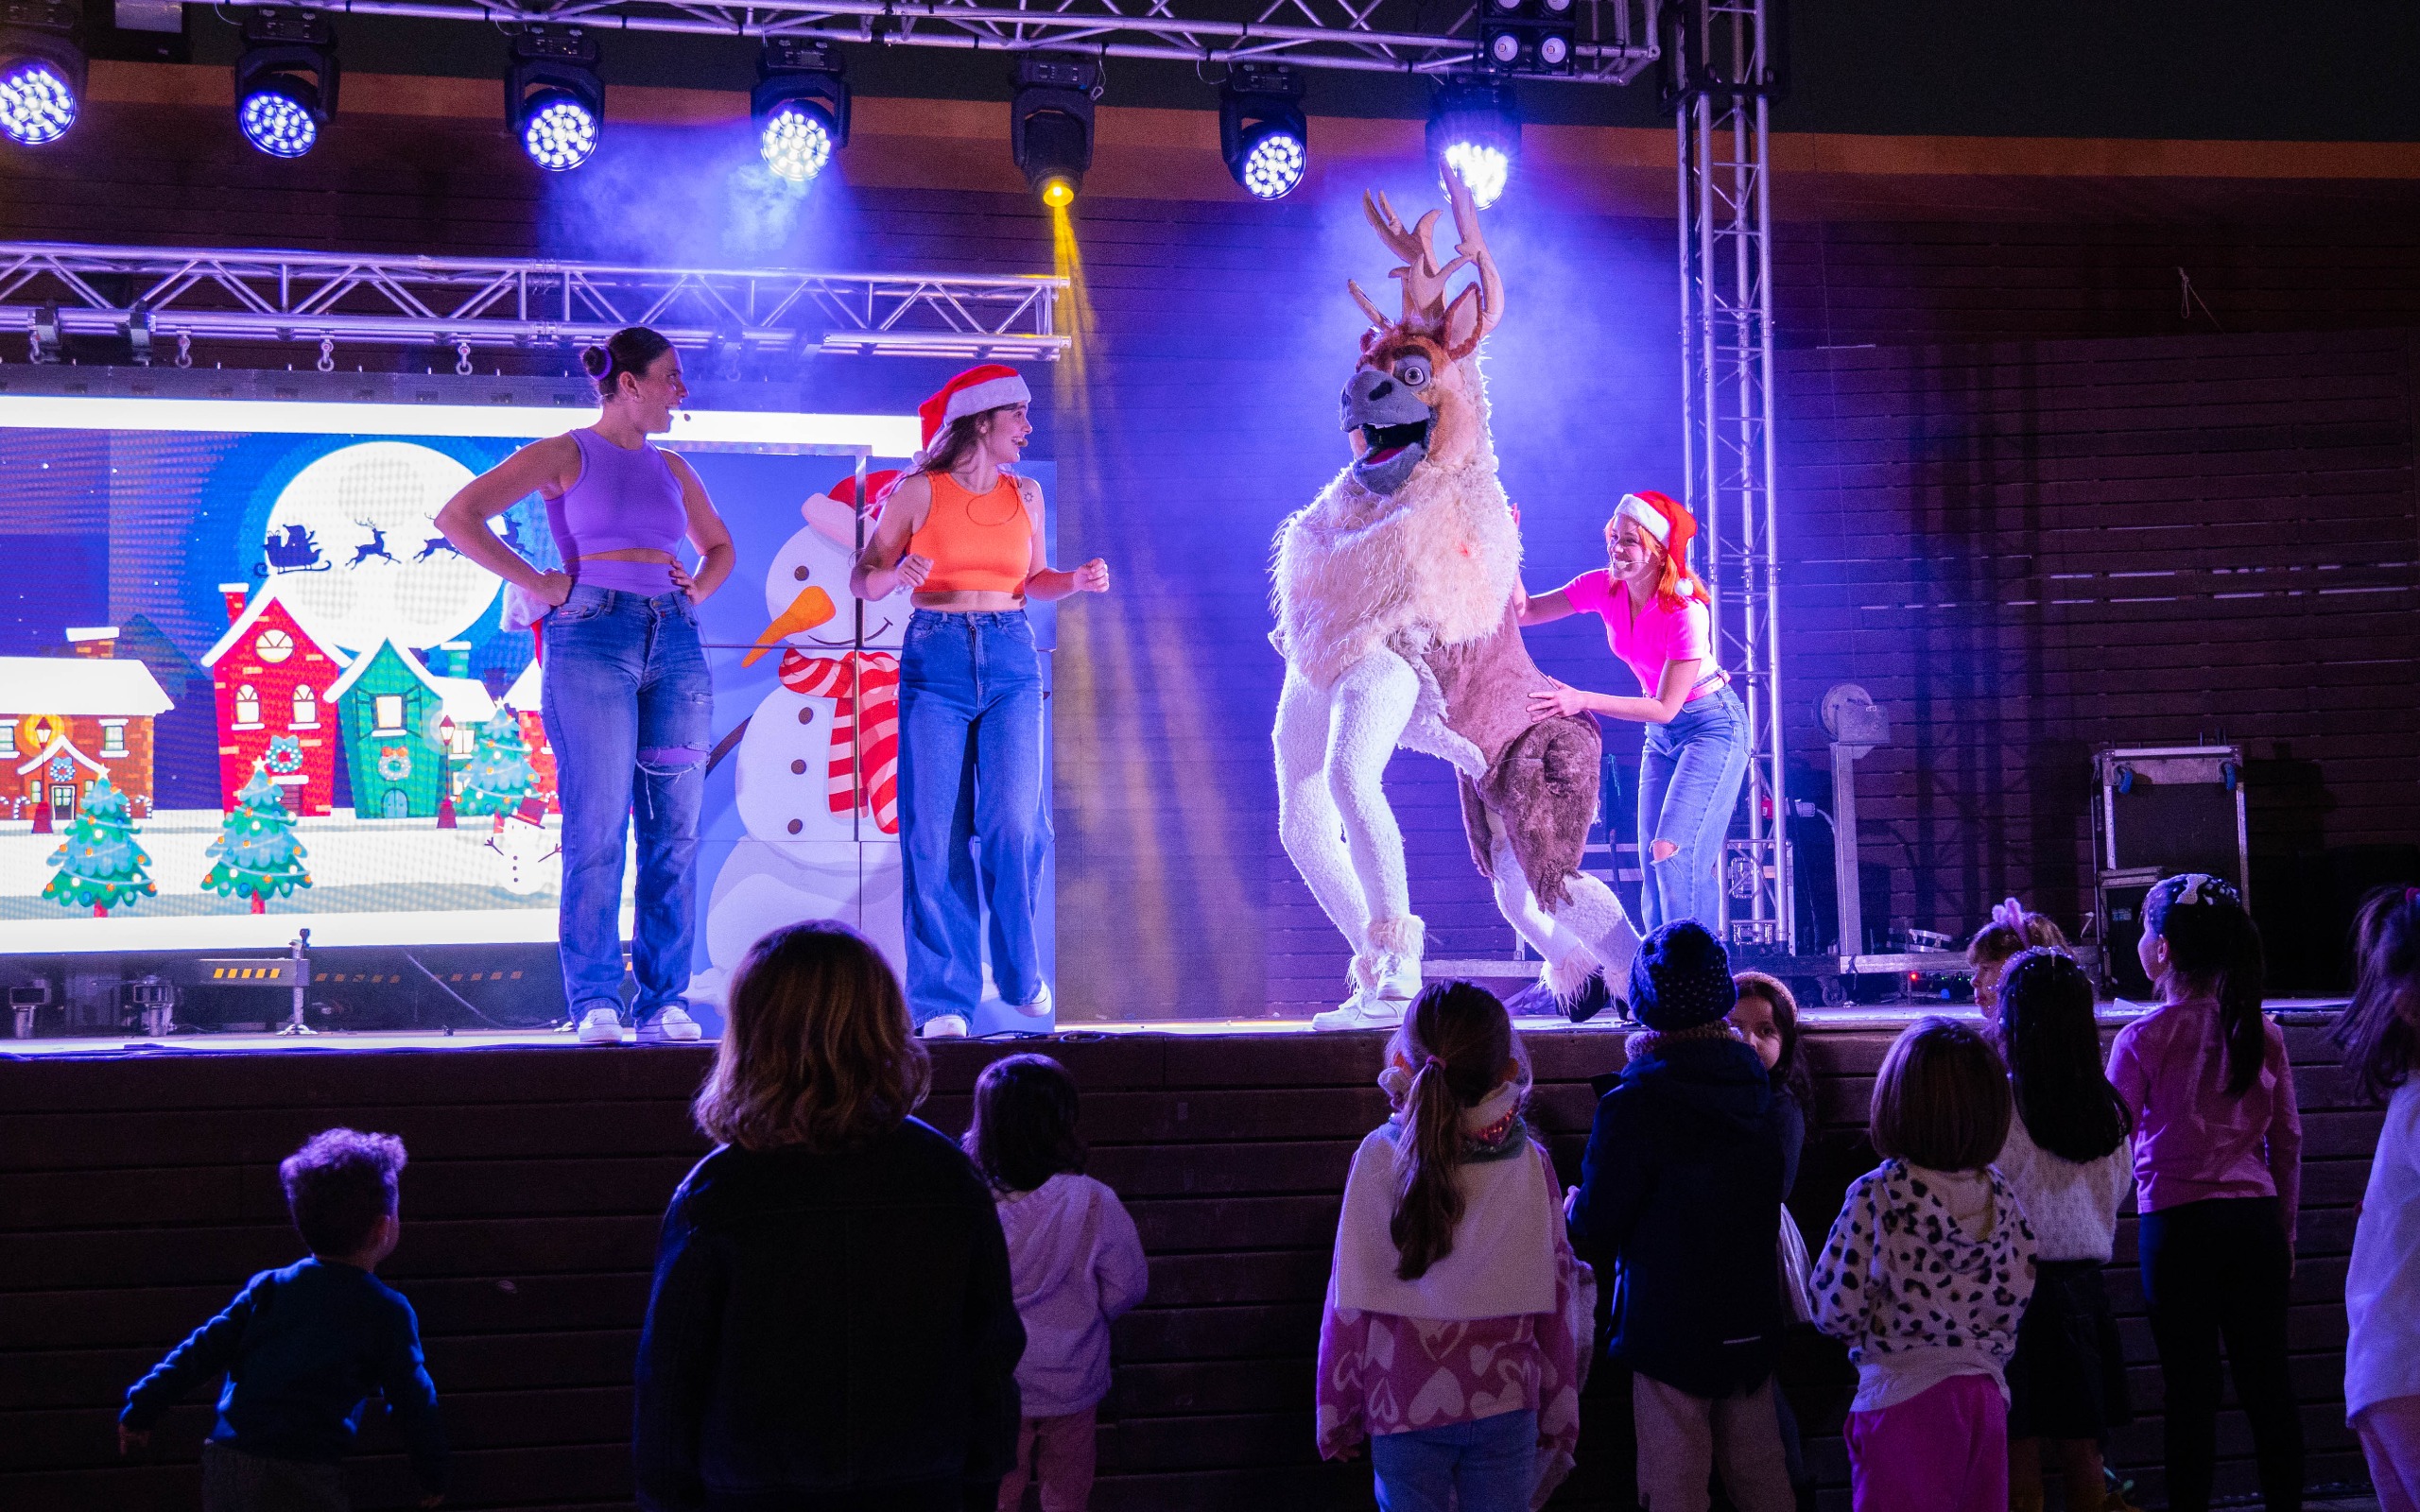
1368	710
1569	961
1596	915
1385	979
1308	822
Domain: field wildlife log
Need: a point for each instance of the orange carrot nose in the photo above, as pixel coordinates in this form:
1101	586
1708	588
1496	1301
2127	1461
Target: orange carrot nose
812	606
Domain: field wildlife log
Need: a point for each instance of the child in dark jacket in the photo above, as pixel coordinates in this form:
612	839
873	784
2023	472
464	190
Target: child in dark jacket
832	1327
302	1347
1679	1191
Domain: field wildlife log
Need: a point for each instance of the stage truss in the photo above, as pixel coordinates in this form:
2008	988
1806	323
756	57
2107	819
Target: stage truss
160	300
1615	36
1719	72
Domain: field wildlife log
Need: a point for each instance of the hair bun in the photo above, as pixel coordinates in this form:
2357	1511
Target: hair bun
596	360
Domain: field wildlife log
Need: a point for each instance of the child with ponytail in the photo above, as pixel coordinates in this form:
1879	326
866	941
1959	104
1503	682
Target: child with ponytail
1455	1334
2065	1156
2380	1034
2218	1179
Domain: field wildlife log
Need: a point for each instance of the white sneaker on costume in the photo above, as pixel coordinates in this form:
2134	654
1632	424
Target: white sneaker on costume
1040	1007
944	1026
600	1026
1362	1011
669	1024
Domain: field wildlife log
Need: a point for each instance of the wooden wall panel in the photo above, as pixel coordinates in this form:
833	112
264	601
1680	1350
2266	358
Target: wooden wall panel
136	1195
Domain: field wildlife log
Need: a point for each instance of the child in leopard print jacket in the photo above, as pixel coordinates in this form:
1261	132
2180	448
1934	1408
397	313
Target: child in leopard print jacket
1926	1277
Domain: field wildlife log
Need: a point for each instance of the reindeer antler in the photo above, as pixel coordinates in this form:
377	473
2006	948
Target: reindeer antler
1471	247
1424	280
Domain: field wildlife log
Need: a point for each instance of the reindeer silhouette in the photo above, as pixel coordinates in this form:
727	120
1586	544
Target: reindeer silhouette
374	549
434	544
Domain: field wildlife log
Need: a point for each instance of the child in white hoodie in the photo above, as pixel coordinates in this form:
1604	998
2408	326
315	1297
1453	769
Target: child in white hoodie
1074	1262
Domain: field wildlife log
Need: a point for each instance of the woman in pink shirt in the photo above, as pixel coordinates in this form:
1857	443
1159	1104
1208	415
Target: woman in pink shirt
1694	755
2218	1179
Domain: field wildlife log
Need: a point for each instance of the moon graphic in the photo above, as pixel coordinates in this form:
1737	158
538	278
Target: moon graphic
359	552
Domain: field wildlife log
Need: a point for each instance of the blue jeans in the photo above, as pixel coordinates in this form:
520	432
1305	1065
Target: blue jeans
1689	773
628	708
1492	1464
970	776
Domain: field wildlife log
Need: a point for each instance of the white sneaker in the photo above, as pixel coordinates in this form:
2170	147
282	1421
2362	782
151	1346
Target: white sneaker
600	1026
944	1026
1040	1007
1362	1011
672	1023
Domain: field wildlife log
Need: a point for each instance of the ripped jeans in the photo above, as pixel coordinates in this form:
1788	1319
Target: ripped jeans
1690	776
628	709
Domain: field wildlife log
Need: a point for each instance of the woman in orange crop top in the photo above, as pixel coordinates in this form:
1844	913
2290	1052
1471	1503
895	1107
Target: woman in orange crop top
965	535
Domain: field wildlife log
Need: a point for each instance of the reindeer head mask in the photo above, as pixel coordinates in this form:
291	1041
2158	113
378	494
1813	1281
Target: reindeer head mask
1413	397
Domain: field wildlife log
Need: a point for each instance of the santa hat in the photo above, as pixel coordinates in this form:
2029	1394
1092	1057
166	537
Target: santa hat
878	487
972	393
1669	524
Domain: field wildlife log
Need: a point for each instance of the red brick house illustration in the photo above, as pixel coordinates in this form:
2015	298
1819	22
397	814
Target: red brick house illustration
270	673
91	712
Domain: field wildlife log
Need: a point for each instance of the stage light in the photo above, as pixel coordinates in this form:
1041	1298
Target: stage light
1262	132
553	97
42	71
1050	123
285	82
801	106
1527	37
1475	132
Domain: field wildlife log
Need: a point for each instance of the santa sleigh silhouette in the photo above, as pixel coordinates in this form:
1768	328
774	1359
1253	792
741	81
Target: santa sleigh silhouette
297	552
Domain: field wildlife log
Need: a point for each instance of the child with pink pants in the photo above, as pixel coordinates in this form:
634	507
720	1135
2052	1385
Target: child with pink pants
1926	1277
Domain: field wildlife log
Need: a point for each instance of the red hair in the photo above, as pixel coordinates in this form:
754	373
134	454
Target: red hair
1675	585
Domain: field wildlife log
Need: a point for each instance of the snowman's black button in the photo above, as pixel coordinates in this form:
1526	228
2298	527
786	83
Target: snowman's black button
799	768
796	826
806	716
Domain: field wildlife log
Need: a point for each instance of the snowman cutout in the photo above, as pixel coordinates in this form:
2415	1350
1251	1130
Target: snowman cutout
817	801
522	846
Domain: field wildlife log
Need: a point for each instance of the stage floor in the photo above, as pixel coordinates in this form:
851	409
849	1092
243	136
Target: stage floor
1886	1017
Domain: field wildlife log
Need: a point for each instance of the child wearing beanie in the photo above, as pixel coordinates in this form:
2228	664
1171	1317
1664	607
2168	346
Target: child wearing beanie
1678	1191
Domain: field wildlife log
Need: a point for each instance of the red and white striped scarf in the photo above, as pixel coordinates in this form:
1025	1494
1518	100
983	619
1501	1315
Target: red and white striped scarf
866	776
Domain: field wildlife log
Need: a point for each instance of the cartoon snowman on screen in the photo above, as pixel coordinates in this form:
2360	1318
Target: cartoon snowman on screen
816	768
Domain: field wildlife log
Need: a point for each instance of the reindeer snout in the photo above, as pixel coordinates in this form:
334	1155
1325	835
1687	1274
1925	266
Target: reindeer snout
1374	398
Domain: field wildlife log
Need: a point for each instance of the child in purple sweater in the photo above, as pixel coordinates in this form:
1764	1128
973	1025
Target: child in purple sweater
1074	1259
2218	1178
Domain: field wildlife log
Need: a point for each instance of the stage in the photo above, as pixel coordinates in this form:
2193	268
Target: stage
138	1188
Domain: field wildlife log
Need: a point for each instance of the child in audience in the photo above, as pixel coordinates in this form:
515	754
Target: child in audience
1926	1277
302	1347
2067	1159
1074	1261
2382	1037
1680	1188
1765	1016
2218	1179
831	1324
2012	929
1452	1340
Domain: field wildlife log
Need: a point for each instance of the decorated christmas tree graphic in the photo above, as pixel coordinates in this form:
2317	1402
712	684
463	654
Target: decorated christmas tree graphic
256	854
99	865
499	775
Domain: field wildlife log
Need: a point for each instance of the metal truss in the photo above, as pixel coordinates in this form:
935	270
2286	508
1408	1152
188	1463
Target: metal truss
175	296
1717	73
1615	36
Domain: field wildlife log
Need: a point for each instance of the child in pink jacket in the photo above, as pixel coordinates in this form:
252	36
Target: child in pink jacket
1075	1263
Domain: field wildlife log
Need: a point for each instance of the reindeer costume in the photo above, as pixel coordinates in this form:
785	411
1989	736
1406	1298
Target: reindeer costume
1394	594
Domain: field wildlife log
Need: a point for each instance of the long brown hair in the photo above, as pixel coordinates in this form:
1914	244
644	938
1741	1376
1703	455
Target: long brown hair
1941	1100
2212	940
957	440
1456	1040
819	1051
2054	1050
2380	1031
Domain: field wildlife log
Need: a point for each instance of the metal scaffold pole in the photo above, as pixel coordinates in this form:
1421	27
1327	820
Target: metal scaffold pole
1719	74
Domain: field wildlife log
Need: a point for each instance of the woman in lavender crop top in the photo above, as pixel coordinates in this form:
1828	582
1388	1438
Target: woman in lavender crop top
1693	758
626	697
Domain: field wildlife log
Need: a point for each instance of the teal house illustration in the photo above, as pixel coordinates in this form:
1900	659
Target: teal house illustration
406	731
